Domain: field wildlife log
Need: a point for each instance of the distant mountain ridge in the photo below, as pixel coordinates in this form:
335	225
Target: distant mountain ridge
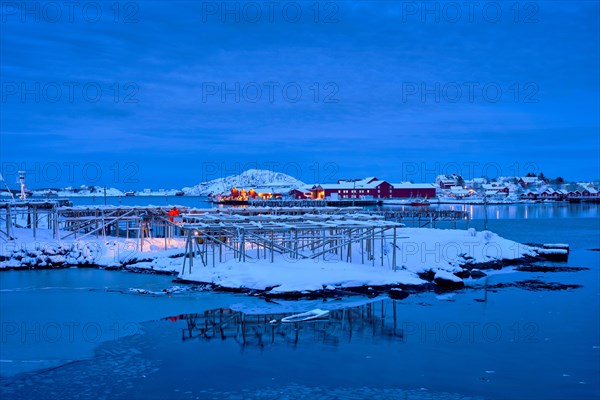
252	178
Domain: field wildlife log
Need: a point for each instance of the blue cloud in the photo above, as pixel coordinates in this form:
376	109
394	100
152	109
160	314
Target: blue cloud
381	85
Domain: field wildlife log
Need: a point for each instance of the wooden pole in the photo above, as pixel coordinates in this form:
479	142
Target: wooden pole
243	246
394	251
382	247
191	250
272	246
34	224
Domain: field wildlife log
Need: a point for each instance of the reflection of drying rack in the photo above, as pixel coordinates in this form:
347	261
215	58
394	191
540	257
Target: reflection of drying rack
373	320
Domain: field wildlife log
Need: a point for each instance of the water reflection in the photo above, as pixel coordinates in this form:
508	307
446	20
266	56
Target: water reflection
526	211
373	321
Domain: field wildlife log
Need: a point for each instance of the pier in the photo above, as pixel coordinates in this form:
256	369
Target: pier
423	217
306	203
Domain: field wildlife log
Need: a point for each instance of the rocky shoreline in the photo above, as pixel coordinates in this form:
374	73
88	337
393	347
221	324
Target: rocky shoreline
438	281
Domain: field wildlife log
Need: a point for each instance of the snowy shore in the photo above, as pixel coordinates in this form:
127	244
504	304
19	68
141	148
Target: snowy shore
425	257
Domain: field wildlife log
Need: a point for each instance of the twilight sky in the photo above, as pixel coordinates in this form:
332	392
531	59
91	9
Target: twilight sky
168	94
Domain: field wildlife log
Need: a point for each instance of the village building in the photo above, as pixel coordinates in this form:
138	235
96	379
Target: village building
371	188
527	181
446	181
495	190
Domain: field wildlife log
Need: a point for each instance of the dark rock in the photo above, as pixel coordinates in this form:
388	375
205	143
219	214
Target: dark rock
427	275
397	294
476	274
534	285
446	284
547	268
554	254
464	274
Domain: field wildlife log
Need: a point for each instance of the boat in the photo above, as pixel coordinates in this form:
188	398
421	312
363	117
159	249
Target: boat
420	203
306	316
129	193
179	193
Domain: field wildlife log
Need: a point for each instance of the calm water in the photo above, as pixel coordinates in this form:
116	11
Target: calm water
190	201
503	343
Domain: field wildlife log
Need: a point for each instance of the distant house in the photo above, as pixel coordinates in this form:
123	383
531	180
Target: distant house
530	195
585	191
299	194
551	193
476	183
459	192
493	189
529	181
446	181
589	192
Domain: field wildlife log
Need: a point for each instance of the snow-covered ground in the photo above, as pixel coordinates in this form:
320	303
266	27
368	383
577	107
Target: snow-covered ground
419	250
44	251
443	251
300	276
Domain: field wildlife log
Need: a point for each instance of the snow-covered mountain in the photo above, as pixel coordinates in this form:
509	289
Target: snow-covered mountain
252	178
82	191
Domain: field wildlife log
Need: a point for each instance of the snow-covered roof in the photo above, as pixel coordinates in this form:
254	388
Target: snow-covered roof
590	189
408	185
347	185
363	181
492	186
529	179
458	190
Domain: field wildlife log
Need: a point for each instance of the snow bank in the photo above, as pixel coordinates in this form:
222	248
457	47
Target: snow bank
46	252
299	276
446	276
450	249
418	250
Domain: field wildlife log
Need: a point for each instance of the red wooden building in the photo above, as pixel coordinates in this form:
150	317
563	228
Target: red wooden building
413	190
371	188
